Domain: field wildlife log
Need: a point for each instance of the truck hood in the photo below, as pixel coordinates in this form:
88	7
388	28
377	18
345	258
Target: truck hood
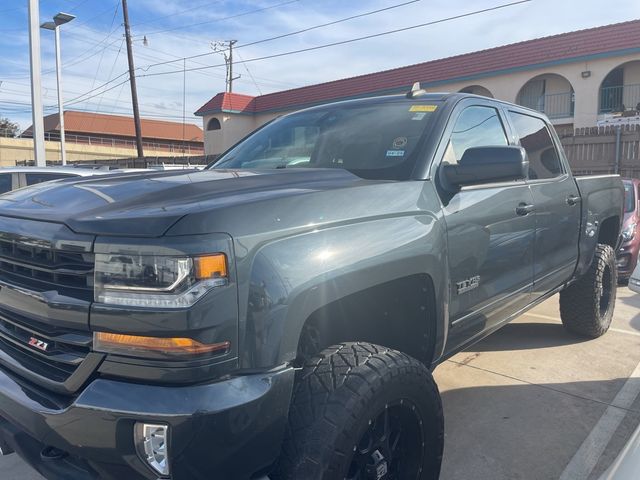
148	204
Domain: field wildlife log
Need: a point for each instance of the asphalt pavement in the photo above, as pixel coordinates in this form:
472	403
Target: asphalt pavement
530	401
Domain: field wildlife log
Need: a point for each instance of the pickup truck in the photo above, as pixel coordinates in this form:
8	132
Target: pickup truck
280	313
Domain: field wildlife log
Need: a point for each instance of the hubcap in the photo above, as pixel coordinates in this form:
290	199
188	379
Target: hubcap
391	448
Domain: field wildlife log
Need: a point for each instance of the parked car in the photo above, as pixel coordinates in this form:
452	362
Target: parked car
634	280
281	311
12	178
627	256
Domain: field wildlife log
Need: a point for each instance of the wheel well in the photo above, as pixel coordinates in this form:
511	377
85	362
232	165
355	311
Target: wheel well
609	232
399	314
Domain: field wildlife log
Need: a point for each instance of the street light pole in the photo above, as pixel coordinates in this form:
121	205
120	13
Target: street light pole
36	85
59	19
63	151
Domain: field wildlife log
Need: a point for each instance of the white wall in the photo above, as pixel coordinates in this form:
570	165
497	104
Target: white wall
234	127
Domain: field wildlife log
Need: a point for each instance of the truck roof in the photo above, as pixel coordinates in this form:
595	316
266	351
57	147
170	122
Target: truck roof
423	97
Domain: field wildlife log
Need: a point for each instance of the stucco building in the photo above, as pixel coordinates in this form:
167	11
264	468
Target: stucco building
576	78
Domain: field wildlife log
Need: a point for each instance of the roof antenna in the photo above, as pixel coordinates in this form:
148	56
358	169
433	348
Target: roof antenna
416	91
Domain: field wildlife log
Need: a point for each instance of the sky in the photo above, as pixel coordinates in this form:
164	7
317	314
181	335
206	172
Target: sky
94	60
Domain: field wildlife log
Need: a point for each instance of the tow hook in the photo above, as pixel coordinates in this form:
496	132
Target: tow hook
379	468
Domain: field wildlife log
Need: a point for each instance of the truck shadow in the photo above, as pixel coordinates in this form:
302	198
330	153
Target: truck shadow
527	336
527	432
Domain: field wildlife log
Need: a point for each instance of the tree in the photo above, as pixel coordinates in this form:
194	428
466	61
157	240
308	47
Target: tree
8	128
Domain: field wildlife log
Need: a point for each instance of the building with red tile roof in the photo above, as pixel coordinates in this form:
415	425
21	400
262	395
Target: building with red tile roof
119	130
576	78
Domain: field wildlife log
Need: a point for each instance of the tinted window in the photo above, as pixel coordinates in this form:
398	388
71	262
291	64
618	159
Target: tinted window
475	127
372	141
33	178
536	140
5	182
629	197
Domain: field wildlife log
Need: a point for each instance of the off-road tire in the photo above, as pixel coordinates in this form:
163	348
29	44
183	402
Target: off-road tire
586	307
338	393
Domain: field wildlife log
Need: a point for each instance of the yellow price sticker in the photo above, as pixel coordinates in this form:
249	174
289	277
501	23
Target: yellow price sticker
423	108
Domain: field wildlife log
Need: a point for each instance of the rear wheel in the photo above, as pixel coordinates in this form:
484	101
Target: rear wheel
363	412
586	307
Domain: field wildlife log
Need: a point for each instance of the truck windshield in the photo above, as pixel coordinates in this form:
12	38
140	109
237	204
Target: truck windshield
629	197
378	141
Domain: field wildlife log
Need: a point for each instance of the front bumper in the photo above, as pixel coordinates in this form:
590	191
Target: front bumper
626	259
229	429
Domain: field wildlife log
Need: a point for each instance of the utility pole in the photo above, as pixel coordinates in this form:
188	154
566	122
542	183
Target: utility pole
36	84
132	80
230	66
226	48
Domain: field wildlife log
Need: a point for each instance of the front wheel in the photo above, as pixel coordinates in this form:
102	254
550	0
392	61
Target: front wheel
363	412
586	307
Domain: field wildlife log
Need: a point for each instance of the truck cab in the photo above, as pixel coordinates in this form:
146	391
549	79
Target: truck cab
280	312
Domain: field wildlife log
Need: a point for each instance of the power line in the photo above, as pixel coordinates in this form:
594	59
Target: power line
351	40
113	20
99	14
249	12
155	19
99	87
250	75
115	61
335	22
297	32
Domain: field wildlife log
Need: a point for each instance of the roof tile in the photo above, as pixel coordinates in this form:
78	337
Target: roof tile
87	123
557	48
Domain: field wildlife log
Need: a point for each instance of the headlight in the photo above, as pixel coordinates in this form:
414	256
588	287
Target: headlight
157	281
629	232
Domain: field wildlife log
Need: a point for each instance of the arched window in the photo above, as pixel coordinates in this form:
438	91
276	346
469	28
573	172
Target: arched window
477	90
549	93
214	124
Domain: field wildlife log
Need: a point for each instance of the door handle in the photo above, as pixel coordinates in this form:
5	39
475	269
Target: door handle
573	200
525	209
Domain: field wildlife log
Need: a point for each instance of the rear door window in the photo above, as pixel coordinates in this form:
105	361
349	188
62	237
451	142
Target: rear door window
544	162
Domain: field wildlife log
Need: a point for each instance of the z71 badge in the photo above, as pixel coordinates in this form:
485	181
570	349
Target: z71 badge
39	344
468	284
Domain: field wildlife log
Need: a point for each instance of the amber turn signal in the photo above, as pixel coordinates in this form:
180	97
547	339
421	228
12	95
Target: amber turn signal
116	341
210	266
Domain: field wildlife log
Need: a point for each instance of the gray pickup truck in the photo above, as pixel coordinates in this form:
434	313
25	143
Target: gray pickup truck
279	313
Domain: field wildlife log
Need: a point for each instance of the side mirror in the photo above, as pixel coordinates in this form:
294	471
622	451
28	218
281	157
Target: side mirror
487	165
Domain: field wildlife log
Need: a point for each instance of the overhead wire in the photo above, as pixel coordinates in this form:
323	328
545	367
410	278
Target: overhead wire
179	12
297	32
351	40
241	14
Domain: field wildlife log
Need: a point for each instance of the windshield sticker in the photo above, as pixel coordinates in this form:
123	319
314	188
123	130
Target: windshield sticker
395	153
418	115
399	142
423	108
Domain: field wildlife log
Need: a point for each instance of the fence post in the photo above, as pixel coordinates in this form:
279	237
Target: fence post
617	157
